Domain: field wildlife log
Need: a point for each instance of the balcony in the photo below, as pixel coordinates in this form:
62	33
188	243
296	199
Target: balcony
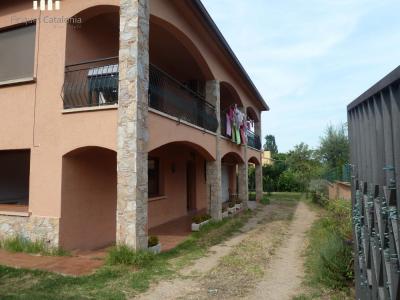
90	84
253	140
168	95
95	83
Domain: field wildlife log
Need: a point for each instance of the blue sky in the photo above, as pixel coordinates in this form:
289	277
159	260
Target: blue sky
310	58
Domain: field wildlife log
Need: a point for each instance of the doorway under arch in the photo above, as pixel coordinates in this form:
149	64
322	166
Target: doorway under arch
88	199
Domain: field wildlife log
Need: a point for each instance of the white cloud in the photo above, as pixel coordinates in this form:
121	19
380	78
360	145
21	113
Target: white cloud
310	58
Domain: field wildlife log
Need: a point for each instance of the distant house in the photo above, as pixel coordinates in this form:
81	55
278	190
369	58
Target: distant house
267	158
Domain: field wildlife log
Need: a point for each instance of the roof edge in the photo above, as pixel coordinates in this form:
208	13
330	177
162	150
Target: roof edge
210	22
376	88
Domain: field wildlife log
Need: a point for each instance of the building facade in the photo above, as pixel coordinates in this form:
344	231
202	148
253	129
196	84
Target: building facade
117	117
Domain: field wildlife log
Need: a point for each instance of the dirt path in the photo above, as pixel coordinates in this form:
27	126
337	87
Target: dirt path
262	262
189	280
285	273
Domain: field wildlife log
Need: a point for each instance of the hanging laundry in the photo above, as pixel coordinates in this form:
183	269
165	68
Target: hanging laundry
244	133
237	134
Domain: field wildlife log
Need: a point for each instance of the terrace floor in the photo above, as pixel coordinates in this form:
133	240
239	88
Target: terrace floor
172	233
86	262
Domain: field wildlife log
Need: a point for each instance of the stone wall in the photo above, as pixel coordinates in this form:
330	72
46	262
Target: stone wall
214	168
243	180
339	190
33	228
259	182
132	123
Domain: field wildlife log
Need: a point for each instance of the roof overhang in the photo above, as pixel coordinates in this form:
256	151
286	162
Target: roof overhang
198	5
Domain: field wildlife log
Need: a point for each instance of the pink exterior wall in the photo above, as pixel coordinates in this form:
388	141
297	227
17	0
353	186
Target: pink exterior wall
172	131
232	179
172	202
89	199
254	155
34	111
32	116
339	190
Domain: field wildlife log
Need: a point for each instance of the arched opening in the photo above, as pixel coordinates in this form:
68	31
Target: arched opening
173	52
254	129
178	75
91	58
254	160
88	198
177	189
229	100
229	176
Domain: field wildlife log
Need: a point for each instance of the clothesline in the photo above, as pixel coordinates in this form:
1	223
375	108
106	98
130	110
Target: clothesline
233	106
237	125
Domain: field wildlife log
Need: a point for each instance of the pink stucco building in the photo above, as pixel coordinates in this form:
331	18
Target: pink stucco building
113	120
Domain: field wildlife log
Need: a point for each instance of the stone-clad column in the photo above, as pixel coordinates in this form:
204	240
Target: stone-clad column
259	182
214	189
243	179
132	132
258	171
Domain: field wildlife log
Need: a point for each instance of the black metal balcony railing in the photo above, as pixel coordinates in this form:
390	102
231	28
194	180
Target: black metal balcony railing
168	95
253	140
95	83
92	83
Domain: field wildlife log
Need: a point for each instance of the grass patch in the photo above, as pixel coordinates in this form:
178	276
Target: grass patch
126	273
252	196
21	244
329	257
265	200
123	255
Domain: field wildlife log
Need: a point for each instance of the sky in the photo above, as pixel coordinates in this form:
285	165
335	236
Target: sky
310	58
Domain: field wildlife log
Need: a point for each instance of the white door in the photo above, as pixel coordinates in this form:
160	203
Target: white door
225	182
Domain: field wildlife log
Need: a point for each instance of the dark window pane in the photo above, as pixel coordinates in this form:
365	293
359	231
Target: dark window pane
14	177
17	53
154	173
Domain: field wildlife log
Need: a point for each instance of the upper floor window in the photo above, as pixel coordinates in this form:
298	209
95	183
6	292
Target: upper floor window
17	53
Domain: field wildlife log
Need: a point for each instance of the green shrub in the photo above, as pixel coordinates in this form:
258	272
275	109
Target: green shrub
329	256
319	198
340	213
265	200
290	181
200	218
124	255
231	204
252	196
335	268
153	241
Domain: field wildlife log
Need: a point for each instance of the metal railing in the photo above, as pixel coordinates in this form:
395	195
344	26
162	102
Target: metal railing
374	133
342	173
95	83
91	83
253	140
170	96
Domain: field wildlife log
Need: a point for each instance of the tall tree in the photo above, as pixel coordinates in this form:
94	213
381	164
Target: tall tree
270	144
334	148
